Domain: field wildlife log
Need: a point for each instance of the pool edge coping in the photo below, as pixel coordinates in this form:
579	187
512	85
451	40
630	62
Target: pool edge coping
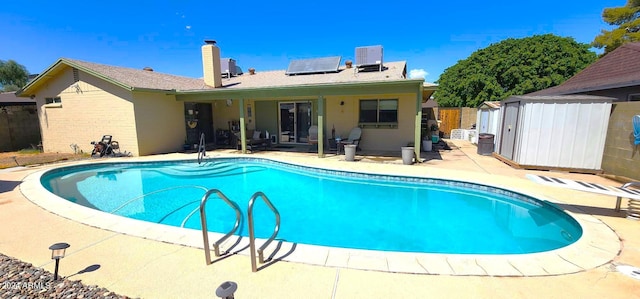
599	244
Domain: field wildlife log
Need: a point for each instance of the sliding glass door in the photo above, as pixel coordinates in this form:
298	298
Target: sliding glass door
295	120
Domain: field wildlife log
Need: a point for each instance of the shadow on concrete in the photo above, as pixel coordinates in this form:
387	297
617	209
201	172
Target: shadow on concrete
6	186
272	259
88	269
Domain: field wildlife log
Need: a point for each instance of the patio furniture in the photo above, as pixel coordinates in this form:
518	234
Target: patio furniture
255	140
313	136
619	192
354	138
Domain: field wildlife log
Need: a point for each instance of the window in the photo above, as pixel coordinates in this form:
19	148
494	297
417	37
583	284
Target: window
634	97
55	100
379	112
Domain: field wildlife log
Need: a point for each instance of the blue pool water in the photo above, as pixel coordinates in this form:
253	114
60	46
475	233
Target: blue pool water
323	207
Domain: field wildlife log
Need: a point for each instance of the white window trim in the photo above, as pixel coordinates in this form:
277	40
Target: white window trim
52	105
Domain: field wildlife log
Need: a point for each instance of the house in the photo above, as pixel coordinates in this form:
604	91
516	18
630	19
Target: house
616	75
19	127
149	112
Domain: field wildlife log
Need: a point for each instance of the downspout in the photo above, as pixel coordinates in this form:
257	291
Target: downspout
320	127
243	129
418	123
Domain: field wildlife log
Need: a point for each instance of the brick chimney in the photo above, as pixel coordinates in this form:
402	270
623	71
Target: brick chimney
211	64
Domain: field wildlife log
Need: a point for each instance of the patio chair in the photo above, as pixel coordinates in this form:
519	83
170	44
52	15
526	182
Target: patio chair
313	136
354	138
636	129
254	140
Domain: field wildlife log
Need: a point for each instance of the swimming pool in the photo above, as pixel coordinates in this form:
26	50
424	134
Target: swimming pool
324	207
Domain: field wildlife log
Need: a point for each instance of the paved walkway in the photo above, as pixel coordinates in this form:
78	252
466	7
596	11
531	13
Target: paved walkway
147	268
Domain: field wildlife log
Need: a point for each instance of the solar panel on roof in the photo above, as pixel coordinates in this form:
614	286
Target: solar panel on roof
314	65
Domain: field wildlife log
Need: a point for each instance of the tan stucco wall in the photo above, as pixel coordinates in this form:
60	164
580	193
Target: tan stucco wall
159	123
345	117
90	108
222	113
621	157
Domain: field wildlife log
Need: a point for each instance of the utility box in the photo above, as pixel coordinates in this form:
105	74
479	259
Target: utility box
228	68
485	144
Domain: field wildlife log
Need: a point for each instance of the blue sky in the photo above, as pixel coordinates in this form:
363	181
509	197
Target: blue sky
166	35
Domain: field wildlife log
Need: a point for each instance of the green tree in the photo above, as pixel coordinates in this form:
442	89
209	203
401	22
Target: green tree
512	67
13	75
627	18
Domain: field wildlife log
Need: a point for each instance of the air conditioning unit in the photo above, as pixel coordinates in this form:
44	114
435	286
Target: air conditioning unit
228	68
369	57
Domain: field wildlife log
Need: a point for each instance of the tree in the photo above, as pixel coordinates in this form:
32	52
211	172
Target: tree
627	18
13	75
512	67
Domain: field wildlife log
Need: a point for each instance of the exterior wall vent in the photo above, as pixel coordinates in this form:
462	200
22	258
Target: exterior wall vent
228	68
76	75
369	58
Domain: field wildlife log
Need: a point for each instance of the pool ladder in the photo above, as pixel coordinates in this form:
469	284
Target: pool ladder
202	152
252	238
203	219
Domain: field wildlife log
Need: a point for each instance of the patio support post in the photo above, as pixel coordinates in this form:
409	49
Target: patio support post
321	127
418	122
243	129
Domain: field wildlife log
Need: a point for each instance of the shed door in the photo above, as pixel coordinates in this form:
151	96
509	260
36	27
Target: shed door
508	136
484	121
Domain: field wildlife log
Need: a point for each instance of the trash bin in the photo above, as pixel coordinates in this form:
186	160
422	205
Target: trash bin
349	152
485	144
407	155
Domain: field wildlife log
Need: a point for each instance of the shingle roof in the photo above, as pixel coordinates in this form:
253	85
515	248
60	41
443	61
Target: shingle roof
139	78
131	78
393	71
11	98
620	68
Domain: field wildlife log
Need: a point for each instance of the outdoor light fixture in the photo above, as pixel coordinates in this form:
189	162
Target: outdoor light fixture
57	252
226	290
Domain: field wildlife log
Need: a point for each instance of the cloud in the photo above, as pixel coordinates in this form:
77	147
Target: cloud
188	27
418	73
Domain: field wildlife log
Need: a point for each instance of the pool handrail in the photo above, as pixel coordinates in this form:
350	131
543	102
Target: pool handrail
203	219
252	237
202	152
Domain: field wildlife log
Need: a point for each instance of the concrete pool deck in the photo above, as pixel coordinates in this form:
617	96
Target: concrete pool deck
142	267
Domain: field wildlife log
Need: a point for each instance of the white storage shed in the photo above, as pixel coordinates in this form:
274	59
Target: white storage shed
554	132
488	119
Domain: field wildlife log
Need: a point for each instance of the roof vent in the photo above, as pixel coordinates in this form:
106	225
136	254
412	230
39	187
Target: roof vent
228	68
369	58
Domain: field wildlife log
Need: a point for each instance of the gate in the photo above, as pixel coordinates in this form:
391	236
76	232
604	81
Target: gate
450	119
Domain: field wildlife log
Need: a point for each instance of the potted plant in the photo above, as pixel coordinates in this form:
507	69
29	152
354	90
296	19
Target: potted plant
186	145
434	133
427	144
